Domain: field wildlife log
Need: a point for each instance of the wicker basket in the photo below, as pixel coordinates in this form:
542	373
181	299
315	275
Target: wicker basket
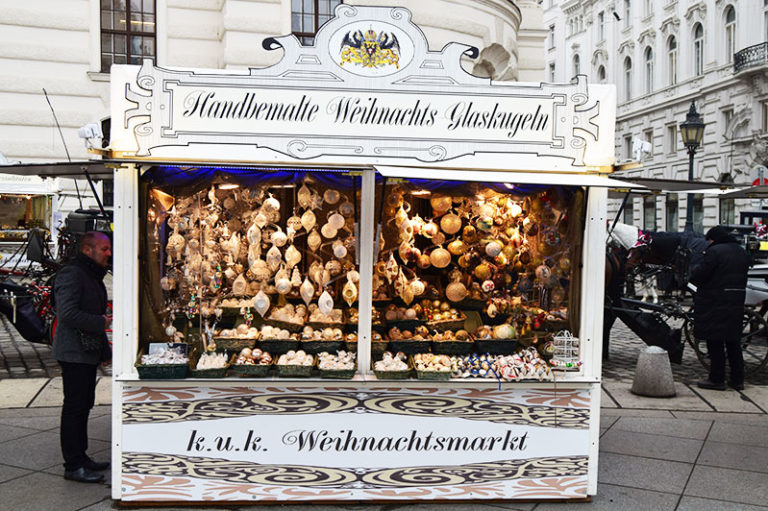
447	324
472	304
453	347
219	372
315	347
555	325
496	346
405	324
433	375
278	346
342	374
379	347
294	371
160	371
392	375
291	327
409	347
248	370
233	343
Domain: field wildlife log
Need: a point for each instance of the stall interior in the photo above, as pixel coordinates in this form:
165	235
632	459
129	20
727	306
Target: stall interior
256	273
21	212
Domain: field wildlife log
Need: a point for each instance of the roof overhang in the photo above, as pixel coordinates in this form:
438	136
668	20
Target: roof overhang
97	169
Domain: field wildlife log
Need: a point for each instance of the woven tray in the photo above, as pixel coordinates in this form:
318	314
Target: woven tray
433	375
344	374
315	347
219	372
291	327
405	324
233	343
496	346
472	304
556	325
160	371
392	375
379	347
247	370
453	347
409	347
293	371
448	324
278	346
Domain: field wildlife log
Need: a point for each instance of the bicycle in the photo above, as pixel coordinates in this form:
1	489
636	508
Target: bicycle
754	332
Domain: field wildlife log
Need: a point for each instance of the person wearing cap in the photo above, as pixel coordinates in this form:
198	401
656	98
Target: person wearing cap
718	307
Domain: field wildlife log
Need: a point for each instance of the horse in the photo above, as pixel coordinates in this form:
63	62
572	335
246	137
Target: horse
628	237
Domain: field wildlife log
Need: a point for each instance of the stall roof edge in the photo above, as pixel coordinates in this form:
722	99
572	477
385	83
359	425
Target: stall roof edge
59	169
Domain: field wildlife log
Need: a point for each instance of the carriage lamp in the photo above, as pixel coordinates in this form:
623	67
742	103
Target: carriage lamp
692	131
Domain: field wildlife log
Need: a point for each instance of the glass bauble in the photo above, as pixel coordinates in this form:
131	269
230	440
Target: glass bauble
440	257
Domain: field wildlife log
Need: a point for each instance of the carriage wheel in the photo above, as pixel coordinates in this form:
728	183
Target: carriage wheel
754	342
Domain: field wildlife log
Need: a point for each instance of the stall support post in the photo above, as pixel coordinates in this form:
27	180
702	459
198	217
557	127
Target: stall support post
591	312
365	294
125	302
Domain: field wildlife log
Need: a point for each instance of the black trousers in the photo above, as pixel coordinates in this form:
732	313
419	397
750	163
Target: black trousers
79	395
717	353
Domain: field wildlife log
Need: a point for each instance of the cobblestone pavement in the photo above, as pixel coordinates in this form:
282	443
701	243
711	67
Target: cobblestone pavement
22	359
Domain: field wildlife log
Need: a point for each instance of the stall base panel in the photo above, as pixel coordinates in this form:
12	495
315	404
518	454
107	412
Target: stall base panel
342	443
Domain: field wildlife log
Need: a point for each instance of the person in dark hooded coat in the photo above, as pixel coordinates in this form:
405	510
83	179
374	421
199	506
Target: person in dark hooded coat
721	280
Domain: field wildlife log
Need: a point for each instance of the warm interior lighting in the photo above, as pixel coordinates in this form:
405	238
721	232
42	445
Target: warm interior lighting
228	186
421	192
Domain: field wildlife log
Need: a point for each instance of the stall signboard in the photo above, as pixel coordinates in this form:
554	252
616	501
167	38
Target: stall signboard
191	443
368	92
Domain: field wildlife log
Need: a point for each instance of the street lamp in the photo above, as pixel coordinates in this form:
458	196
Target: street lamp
692	130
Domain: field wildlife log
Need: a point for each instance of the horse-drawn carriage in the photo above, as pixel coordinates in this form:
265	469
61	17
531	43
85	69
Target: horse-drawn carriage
647	288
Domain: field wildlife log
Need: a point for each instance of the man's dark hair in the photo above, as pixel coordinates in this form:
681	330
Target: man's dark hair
90	238
720	234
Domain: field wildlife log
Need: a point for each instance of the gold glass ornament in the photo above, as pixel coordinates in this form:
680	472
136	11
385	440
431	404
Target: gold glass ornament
482	271
456	291
450	223
440	204
457	247
440	257
331	196
469	234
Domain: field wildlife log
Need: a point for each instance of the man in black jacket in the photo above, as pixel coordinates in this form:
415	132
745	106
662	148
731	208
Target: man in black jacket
79	345
721	280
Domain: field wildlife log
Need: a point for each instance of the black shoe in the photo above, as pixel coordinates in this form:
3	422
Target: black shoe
96	466
83	475
736	386
708	384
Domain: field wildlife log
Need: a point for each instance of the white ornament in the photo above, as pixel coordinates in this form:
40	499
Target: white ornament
325	303
261	303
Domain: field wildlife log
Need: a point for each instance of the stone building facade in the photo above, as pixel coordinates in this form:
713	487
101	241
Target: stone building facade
662	54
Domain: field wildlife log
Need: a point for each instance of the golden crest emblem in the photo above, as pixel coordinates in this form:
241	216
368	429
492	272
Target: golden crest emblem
370	49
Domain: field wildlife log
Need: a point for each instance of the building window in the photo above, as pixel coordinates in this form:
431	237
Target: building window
765	20
698	212
647	8
601	26
551	37
108	193
629	213
648	139
307	16
673	216
765	117
649	213
627	147
552	72
127	32
601	74
727	206
698	50
672	60
730	34
648	70
726	119
628	78
671	139
627	13
576	65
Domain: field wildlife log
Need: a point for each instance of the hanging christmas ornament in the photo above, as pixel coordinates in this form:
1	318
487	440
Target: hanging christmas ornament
456	291
493	248
469	234
339	250
418	287
423	261
314	240
336	221
271	204
450	223
283	286
331	196
406	230
325	303
440	204
334	267
292	256
347	209
487	286
296	278
391	268
274	258
430	229
239	285
457	247
260	220
260	270
349	292
307	291
261	303
294	223
440	257
328	231
304	197
253	235
308	220
484	223
279	238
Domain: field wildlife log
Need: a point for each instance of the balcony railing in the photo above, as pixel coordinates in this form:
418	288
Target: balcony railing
750	56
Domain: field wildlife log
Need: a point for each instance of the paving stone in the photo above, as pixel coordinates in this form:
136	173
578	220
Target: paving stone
726	401
730	418
629	412
39	451
739	434
697	504
643	473
42	423
758	395
650	446
100	428
606	421
694	429
606	401
618	498
51	395
104	391
738	457
8	433
7	473
17	393
52	493
685	399
725	484
52	411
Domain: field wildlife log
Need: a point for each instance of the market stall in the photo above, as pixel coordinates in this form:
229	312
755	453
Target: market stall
357	276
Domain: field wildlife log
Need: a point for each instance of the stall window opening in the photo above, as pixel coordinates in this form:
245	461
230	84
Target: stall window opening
127	32
307	16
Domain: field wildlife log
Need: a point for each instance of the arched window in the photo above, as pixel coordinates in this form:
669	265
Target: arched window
648	70
698	49
628	78
730	34
672	60
601	74
308	16
576	65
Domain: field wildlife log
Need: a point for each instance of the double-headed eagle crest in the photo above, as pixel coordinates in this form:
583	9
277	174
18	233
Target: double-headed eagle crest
370	50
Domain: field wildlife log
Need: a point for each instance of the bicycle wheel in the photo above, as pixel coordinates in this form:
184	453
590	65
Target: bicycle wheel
754	342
